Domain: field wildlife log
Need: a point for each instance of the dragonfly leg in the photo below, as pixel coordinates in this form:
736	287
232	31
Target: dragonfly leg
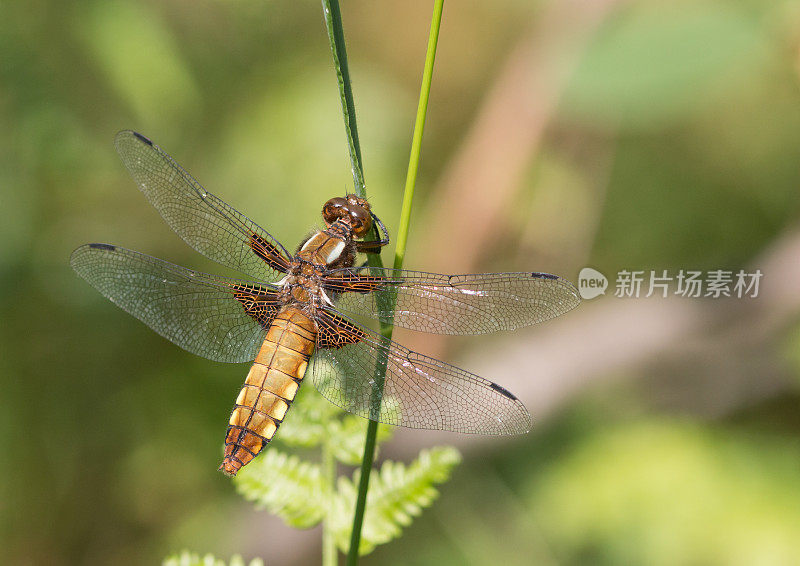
374	246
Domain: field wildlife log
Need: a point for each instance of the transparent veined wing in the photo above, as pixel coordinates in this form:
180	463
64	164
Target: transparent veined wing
418	392
206	223
451	304
215	317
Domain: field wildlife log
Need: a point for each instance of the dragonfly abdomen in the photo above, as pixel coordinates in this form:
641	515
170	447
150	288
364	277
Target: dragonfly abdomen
270	387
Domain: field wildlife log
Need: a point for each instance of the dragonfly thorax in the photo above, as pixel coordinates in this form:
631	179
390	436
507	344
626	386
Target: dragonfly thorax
329	249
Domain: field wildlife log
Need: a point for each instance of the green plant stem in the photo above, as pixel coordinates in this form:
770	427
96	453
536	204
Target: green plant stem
329	557
400	248
416	140
333	21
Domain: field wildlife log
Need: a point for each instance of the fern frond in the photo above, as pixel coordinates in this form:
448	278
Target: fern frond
305	426
346	438
286	486
187	558
396	495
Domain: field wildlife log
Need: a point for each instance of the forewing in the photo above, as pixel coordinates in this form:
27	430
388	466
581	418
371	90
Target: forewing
206	223
451	304
217	318
418	392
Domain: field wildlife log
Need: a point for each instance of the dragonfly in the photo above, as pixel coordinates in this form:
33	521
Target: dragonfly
297	313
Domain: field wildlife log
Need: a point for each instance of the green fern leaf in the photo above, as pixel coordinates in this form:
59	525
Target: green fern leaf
286	486
314	420
397	494
306	424
346	438
187	558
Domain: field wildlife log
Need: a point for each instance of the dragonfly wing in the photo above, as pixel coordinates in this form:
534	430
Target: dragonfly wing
451	304
206	223
418	391
218	318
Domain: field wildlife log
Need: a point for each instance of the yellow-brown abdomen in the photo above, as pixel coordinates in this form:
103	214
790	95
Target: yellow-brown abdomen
269	388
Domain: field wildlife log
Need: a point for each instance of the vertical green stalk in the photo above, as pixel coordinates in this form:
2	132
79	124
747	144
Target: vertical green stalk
416	140
400	248
333	22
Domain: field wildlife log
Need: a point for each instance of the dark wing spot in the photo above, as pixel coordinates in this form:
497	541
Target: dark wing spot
108	247
503	391
543	275
144	139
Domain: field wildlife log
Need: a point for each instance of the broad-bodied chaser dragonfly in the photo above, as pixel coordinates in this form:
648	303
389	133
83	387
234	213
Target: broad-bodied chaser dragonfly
305	303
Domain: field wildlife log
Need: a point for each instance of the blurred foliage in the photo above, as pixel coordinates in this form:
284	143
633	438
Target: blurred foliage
649	67
396	496
676	144
288	487
705	104
644	490
187	558
305	492
656	492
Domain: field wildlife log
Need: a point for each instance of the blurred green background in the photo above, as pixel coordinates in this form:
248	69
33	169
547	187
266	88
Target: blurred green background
561	134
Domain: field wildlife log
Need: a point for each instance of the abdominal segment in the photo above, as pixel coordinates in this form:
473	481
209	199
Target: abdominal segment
270	387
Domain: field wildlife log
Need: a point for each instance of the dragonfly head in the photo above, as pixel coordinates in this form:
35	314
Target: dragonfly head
352	210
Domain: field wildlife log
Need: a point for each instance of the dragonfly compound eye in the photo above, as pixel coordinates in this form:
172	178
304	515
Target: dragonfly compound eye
353	210
360	221
334	209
